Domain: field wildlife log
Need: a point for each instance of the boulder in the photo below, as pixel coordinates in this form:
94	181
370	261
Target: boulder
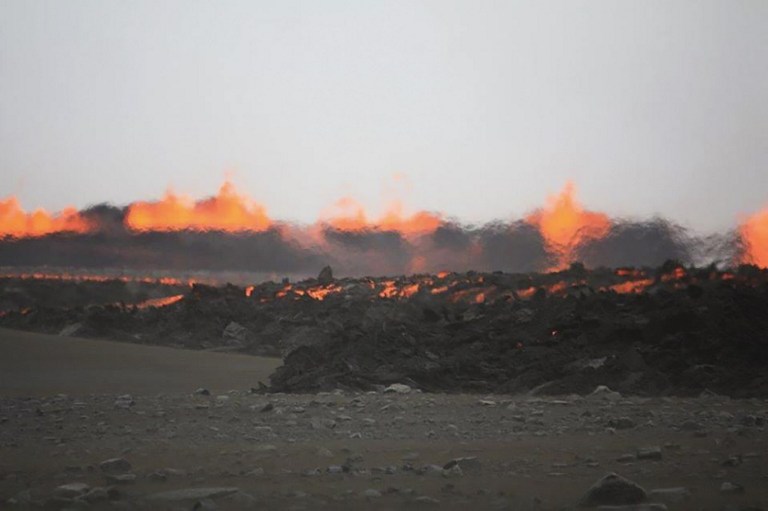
326	276
613	490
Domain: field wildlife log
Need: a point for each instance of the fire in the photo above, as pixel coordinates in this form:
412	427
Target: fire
227	211
754	234
14	221
565	224
349	215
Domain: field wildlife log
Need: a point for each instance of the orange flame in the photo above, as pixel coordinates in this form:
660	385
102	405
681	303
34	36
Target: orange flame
349	215
754	234
14	221
227	211
565	225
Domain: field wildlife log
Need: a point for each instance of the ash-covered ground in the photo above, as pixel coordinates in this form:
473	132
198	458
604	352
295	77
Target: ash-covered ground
447	391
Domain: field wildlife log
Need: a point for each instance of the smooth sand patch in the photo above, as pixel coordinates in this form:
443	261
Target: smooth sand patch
33	364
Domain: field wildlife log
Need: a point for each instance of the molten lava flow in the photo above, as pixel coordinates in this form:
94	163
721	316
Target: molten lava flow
678	273
320	292
565	225
167	281
632	286
754	235
14	221
159	302
227	211
349	215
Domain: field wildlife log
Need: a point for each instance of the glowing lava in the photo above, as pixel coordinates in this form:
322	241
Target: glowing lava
14	221
565	224
159	302
349	215
754	235
227	211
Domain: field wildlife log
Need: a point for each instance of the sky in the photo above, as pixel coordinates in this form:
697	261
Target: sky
476	109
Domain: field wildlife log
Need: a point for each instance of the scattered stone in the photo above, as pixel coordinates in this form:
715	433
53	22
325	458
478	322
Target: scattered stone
115	466
191	494
241	500
96	495
371	493
690	425
622	423
124	401
71	330
205	505
424	499
398	388
202	391
613	490
121	478
158	476
649	506
602	392
649	453
453	471
731	488
322	423
71	490
465	463
670	495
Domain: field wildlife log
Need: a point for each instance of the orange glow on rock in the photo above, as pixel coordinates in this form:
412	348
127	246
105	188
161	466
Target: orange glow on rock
565	224
14	221
754	234
227	211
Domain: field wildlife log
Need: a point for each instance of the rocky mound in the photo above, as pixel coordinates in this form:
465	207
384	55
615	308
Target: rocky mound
672	330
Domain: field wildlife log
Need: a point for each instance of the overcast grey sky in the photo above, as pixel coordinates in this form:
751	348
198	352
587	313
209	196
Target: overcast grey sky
650	107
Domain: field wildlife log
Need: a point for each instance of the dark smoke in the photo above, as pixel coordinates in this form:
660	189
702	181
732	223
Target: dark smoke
631	243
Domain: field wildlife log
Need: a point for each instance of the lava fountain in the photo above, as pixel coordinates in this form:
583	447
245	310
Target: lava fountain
754	235
16	222
565	225
227	211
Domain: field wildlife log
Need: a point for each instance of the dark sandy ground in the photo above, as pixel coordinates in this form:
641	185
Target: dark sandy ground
64	410
39	365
